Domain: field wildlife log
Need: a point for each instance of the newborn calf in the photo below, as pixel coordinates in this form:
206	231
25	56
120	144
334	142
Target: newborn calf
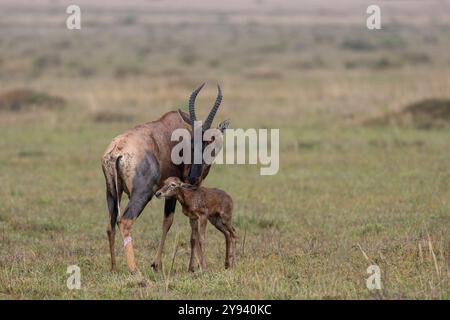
199	205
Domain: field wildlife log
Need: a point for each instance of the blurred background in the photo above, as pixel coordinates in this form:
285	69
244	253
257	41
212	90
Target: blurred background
364	124
313	57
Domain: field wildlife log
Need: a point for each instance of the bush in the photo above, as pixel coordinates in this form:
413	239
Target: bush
112	116
357	45
127	70
425	114
22	99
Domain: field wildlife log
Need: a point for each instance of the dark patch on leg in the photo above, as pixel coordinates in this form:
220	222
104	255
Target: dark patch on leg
112	207
112	200
169	206
145	181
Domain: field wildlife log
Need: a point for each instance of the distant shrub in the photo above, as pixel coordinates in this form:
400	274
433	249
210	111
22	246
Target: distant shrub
42	63
22	99
171	72
354	64
320	38
357	45
30	153
62	44
279	47
425	114
86	72
127	70
188	58
264	74
214	63
430	39
46	61
144	51
112	116
417	58
128	20
384	63
376	64
315	63
392	41
430	111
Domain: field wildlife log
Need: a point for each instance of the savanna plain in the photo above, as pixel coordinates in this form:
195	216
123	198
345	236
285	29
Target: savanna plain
364	119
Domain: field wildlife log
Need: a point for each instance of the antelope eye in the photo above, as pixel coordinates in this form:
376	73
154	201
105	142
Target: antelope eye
172	185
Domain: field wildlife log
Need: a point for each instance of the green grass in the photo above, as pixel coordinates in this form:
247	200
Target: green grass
385	191
347	195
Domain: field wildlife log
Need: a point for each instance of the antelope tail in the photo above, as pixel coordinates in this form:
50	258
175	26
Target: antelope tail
116	163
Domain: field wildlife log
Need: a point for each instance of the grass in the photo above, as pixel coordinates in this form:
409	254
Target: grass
347	195
385	192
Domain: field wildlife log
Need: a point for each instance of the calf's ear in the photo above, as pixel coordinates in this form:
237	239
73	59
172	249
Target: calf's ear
223	125
186	186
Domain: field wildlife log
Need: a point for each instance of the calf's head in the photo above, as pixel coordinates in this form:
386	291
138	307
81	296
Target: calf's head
171	187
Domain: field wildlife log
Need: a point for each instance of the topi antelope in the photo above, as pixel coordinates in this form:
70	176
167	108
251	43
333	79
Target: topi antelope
201	204
138	161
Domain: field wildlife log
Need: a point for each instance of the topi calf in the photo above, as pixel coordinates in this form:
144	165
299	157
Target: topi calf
201	204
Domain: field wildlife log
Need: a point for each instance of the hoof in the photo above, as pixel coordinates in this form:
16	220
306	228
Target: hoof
134	271
156	266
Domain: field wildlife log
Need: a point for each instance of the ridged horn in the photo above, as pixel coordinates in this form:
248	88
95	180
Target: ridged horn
194	94
214	109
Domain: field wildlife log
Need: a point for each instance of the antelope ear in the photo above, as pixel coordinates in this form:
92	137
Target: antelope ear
223	125
184	116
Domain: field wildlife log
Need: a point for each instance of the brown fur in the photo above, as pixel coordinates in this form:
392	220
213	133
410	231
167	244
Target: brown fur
200	205
122	157
132	145
137	161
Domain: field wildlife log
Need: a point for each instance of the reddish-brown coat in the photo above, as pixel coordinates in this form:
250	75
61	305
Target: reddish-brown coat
133	144
201	204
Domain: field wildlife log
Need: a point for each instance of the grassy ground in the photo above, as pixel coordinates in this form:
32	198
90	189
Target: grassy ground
347	195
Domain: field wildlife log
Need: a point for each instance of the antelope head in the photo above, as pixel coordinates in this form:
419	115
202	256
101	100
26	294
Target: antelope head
197	171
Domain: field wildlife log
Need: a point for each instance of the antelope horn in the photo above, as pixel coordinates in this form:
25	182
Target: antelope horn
194	94
214	109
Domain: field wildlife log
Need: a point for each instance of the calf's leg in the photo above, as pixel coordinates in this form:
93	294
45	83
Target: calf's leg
194	239
203	221
232	254
218	223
